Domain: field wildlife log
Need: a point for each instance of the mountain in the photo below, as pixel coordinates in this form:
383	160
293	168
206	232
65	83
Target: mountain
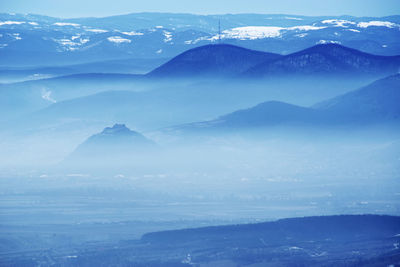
124	66
328	59
34	40
212	60
111	145
270	113
375	103
344	240
324	59
339	228
20	98
379	100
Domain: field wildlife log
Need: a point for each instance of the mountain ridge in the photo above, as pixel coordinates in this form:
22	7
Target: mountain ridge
376	102
327	59
212	60
72	41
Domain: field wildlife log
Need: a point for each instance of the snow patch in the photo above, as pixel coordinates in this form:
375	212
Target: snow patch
77	175
46	95
301	35
168	36
133	33
338	22
84	40
9	22
33	23
259	32
252	32
293	18
118	39
306	28
73	44
159	51
353	30
16	36
377	23
96	30
66	24
328	42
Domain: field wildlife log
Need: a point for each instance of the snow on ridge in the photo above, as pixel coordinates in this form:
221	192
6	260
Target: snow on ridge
252	32
66	24
338	22
96	30
377	23
73	44
118	39
293	18
353	30
10	22
168	36
328	42
301	35
46	95
133	33
16	36
258	32
306	28
33	23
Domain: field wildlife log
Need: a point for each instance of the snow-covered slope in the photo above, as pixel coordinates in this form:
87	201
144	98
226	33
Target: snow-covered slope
33	39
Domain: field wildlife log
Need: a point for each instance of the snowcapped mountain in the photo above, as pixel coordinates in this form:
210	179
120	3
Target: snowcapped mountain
32	39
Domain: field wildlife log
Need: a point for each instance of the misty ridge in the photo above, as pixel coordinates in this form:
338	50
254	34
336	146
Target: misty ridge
207	82
156	139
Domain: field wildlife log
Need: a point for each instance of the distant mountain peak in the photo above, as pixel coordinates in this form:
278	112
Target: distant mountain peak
117	129
114	144
118	133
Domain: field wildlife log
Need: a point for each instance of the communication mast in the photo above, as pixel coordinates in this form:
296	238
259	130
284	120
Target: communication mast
219	31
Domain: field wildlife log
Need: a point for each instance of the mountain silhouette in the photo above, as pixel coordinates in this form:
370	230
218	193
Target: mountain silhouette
111	145
378	100
212	60
375	103
327	59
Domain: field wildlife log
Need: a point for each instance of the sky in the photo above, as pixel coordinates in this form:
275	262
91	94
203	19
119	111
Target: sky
100	8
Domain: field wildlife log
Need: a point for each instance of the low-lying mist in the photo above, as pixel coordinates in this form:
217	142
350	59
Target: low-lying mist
253	175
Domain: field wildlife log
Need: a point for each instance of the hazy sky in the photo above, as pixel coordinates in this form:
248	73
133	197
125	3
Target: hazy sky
78	8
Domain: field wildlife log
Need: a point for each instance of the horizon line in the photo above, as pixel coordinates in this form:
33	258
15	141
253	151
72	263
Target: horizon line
195	14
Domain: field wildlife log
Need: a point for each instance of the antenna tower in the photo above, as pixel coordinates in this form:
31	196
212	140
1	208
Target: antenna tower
219	31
